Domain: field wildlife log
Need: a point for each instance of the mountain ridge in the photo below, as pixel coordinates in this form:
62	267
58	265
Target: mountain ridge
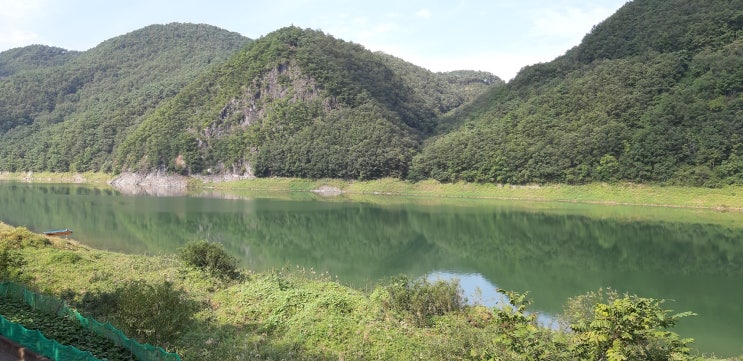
652	94
69	116
299	103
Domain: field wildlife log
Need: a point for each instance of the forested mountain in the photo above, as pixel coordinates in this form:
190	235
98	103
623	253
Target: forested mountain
32	57
652	94
300	103
67	111
185	98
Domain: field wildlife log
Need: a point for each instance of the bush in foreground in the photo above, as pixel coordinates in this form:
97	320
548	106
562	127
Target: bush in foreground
11	263
154	313
422	300
210	257
12	260
606	326
21	237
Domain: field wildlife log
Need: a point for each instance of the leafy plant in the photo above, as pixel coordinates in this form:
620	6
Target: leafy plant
629	328
11	259
153	313
519	335
21	237
421	299
11	262
210	257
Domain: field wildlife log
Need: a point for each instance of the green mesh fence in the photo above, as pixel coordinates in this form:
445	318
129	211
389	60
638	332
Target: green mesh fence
36	341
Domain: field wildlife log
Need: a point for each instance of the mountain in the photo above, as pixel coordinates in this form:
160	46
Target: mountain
300	103
67	111
652	94
32	57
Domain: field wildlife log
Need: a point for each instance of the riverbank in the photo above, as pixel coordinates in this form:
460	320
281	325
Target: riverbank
283	314
729	198
723	199
94	178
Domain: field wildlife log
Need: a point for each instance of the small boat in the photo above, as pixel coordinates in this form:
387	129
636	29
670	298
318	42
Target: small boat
59	232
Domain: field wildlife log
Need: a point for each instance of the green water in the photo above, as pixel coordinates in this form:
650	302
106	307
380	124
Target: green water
555	251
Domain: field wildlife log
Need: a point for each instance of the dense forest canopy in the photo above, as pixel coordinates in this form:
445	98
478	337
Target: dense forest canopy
31	58
300	103
652	94
67	111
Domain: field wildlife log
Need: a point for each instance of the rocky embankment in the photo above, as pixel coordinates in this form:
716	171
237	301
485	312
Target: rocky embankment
156	184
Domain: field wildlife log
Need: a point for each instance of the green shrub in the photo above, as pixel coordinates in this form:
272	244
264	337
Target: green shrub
210	257
21	237
581	307
422	300
11	263
154	313
519	335
626	328
66	257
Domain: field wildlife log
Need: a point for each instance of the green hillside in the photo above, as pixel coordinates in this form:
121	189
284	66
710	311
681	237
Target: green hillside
300	103
652	94
67	111
31	58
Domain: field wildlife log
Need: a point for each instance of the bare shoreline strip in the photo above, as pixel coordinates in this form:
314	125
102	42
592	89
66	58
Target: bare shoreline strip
624	194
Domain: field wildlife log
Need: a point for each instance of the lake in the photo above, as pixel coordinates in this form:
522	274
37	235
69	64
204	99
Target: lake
692	258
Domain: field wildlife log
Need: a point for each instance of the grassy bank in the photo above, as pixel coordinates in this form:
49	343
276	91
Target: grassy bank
728	198
51	177
297	314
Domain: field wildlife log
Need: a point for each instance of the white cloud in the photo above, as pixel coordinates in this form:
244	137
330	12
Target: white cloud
16	20
361	21
377	30
11	38
423	13
17	9
568	23
504	65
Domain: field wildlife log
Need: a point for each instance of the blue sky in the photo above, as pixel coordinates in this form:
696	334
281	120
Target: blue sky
499	36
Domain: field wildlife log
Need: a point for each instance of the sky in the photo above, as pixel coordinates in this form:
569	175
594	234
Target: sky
498	36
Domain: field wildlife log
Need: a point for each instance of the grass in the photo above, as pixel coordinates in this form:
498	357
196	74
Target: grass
95	178
287	314
729	198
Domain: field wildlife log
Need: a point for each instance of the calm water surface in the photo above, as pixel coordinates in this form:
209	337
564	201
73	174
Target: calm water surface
555	251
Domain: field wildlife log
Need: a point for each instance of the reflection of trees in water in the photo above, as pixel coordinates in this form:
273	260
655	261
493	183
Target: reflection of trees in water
554	256
377	241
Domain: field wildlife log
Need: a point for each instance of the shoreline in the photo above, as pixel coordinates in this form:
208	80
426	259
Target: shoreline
726	199
310	311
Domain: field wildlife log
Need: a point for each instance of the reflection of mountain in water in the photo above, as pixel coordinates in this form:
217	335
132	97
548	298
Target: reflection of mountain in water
361	241
554	255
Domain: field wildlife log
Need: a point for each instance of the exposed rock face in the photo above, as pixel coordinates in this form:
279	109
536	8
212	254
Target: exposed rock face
286	81
155	184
